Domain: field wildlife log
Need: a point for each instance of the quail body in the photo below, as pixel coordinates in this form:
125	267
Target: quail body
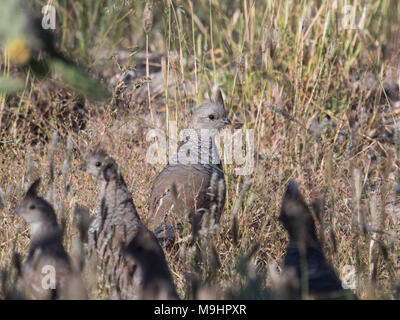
148	254
193	182
304	260
114	224
47	272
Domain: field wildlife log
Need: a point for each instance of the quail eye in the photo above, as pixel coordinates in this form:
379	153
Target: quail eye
98	164
32	207
211	117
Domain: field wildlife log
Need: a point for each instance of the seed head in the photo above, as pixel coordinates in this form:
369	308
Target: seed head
148	17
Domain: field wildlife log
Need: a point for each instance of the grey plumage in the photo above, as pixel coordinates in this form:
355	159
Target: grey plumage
46	252
304	258
157	280
114	224
186	189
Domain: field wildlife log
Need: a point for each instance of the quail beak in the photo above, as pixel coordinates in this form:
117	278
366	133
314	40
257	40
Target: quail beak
226	121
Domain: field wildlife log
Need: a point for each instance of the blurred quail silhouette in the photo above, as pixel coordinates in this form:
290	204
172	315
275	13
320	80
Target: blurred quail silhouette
46	254
188	187
157	280
304	259
115	223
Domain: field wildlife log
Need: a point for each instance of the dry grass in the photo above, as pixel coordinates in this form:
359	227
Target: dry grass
289	70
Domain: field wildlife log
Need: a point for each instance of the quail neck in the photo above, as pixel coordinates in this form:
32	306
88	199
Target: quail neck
199	145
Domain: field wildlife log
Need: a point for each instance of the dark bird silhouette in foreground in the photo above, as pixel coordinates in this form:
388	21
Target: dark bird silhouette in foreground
193	182
148	254
47	272
310	274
